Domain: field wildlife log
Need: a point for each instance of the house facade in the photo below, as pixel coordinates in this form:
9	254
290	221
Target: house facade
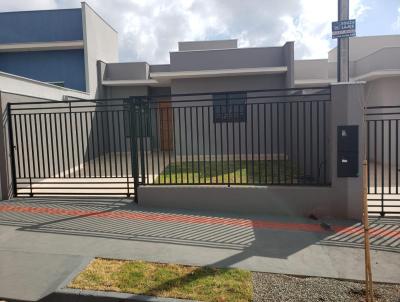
215	113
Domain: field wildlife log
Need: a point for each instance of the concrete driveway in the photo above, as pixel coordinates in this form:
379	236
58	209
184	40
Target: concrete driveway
43	242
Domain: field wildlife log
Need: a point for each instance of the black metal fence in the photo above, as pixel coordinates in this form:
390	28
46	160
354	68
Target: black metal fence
110	147
382	123
269	137
70	148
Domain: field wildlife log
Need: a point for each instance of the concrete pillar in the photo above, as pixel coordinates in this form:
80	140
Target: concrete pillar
348	109
288	50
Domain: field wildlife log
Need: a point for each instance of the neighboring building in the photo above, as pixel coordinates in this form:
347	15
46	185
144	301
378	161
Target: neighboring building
204	66
375	60
59	47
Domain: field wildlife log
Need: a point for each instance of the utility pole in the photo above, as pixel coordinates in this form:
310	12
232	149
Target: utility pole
343	45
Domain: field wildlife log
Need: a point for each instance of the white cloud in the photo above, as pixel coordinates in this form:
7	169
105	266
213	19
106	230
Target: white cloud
396	24
12	5
149	29
311	29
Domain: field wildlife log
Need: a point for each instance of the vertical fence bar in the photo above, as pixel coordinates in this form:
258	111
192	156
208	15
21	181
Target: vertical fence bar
12	155
133	142
37	144
180	143
278	142
272	141
57	149
227	141
258	143
382	168
397	156
291	142
209	142
32	145
390	155
17	157
198	145
265	144
252	143
233	139
83	144
62	143
375	157
22	147
368	158
28	155
72	140
284	143
158	131
204	144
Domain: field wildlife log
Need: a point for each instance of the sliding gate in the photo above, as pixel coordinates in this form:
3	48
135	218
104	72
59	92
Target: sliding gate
109	147
71	148
383	146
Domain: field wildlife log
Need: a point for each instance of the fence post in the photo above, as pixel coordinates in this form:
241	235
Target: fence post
12	156
133	137
142	141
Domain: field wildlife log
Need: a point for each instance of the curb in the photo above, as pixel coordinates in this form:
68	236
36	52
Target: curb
69	294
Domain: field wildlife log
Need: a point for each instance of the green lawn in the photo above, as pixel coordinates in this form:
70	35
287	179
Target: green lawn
166	280
257	172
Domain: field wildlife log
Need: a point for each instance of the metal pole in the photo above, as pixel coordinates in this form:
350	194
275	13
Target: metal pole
343	45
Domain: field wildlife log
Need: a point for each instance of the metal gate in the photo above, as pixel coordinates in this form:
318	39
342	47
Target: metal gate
382	123
72	147
110	147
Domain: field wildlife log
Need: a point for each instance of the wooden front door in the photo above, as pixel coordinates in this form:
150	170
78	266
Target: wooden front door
165	108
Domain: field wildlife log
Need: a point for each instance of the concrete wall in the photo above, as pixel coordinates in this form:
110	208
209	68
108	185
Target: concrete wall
65	66
207	45
100	42
127	71
341	199
383	92
363	46
227	59
383	59
311	69
41	26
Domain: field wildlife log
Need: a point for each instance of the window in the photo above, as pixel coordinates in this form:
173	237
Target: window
229	107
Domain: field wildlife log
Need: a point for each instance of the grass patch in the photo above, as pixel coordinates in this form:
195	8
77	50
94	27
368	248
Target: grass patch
166	280
234	172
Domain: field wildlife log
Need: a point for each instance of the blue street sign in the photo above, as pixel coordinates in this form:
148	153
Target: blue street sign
343	29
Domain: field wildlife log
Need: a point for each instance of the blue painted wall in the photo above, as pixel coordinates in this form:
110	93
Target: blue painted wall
41	26
66	66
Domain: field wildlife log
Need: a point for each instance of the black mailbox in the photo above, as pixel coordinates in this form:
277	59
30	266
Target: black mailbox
347	151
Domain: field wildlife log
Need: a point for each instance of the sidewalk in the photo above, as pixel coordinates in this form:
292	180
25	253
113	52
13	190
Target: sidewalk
43	241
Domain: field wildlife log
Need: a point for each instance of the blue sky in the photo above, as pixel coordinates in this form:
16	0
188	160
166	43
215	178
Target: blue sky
380	18
149	29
